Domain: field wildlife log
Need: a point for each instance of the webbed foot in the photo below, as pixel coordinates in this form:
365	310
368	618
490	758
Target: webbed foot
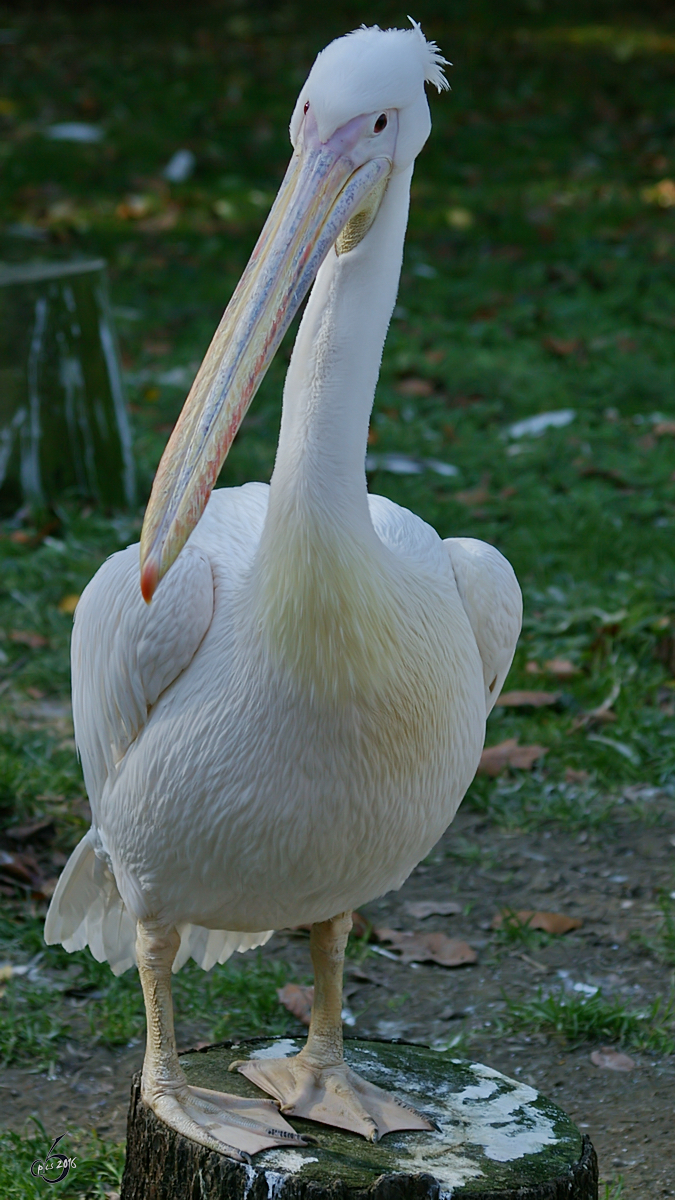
233	1125
334	1095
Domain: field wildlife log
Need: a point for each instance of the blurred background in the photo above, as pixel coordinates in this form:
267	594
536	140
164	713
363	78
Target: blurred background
527	397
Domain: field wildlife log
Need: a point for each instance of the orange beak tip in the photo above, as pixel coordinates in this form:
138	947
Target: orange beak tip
149	579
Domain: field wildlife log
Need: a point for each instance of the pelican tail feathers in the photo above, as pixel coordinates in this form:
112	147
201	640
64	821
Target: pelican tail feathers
87	910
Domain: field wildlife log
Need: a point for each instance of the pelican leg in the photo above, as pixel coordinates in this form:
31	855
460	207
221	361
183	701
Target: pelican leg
317	1083
232	1125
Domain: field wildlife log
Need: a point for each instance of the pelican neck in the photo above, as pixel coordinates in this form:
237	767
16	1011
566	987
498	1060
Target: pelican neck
331	380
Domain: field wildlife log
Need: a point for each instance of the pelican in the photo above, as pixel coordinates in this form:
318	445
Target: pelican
290	725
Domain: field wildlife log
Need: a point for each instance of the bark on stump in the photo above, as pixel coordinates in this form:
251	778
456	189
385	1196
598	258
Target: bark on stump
497	1139
63	419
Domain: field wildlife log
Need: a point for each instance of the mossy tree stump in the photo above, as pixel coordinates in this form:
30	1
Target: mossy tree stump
497	1139
63	420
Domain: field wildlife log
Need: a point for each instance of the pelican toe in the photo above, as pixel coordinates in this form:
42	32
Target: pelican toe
333	1095
233	1125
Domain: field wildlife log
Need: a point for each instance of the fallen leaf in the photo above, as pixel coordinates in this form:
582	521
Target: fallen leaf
611	1059
298	999
588	471
661	193
562	668
473	496
527	699
549	922
664	428
161	222
496	759
459	218
23	833
21	868
421	909
68	604
572	775
134	208
562	347
601	713
532	668
428	947
36	693
412	386
24	637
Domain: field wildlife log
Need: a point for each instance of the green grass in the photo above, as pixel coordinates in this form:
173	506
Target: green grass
596	1018
662	943
613	1190
97	1171
70	994
520	934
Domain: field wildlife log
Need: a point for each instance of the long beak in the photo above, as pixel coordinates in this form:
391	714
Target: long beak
323	187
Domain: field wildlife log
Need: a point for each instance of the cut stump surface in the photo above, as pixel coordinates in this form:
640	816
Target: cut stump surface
497	1138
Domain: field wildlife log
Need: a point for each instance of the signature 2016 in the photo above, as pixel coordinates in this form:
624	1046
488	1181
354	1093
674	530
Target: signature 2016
55	1166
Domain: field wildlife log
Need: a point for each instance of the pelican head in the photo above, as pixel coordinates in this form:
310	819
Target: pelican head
361	117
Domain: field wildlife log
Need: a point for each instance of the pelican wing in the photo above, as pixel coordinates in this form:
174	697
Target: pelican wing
125	653
492	600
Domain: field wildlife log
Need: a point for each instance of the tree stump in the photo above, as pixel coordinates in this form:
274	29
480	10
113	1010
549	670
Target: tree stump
63	420
497	1138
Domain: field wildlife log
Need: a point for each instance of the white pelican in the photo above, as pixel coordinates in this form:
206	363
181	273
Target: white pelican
292	723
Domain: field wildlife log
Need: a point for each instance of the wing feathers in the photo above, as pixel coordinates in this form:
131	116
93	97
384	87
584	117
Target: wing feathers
126	653
492	600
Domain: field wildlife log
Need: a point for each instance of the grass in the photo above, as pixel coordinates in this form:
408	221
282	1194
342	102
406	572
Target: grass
515	933
73	994
596	1019
613	1190
662	944
96	1174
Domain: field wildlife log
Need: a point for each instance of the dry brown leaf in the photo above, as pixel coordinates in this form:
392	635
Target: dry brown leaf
661	193
562	347
473	496
496	759
40	827
160	222
664	428
413	386
68	603
25	637
421	909
549	922
602	713
572	775
611	1059
562	668
21	868
298	999
532	667
520	699
428	947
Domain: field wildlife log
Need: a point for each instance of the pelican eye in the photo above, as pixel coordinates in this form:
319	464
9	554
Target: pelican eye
306	108
381	123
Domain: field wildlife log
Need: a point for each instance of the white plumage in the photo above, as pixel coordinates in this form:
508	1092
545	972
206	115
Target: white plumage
160	709
292	723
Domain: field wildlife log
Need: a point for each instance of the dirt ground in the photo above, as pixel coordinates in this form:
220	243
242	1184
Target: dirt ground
610	878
